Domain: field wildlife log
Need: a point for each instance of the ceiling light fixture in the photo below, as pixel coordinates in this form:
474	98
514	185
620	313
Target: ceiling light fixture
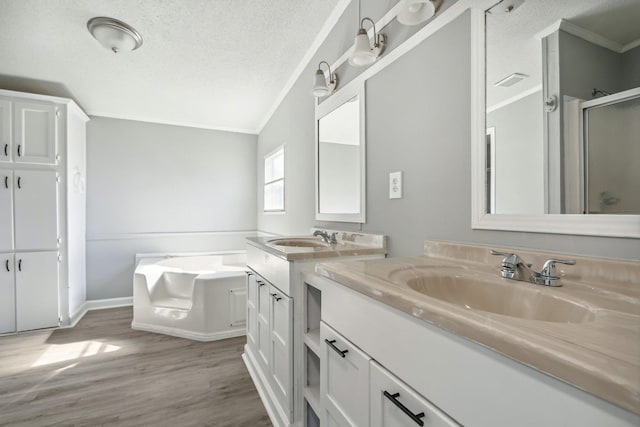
322	87
115	35
363	53
414	12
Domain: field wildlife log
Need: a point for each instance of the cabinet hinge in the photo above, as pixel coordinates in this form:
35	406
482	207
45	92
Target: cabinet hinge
58	179
59	258
57	112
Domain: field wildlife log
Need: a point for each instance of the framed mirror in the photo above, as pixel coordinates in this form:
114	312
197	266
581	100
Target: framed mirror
340	156
557	116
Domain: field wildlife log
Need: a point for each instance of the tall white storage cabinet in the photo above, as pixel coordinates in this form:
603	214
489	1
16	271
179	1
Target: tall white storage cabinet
42	211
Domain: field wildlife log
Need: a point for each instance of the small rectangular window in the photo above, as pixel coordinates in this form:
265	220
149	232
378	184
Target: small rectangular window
274	181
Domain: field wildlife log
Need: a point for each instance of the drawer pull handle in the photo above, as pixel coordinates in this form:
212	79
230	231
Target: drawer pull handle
6	150
336	349
260	283
19	182
6	182
394	399
20	265
249	273
6	265
19	150
276	297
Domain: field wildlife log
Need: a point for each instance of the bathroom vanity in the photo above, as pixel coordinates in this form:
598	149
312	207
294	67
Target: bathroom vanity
443	340
276	301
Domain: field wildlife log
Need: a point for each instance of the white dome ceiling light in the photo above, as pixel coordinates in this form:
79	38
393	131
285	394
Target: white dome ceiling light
114	35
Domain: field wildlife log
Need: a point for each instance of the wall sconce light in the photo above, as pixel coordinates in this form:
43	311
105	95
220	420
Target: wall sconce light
363	53
414	12
115	35
322	87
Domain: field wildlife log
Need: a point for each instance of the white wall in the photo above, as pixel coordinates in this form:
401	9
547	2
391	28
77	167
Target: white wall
161	188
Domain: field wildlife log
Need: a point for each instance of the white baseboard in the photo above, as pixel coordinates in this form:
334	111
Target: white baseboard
181	333
264	391
96	304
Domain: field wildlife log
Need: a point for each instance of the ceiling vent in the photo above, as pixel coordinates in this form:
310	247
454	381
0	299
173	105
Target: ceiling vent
511	80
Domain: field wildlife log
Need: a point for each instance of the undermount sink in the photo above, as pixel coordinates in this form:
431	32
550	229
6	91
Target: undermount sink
299	242
514	299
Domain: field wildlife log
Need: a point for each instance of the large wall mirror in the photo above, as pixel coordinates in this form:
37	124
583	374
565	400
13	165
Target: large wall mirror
560	143
340	156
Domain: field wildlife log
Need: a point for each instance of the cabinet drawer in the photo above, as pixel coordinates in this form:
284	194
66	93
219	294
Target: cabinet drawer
272	268
395	404
344	383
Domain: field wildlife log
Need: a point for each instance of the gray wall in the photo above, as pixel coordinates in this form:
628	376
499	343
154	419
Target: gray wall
161	188
631	68
418	121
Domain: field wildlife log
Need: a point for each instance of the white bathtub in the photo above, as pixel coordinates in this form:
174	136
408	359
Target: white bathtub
197	297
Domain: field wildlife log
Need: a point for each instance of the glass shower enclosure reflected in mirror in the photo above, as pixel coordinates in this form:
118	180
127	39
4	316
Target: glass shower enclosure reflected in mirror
612	155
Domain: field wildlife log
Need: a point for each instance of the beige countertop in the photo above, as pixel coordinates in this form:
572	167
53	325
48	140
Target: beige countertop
349	244
590	335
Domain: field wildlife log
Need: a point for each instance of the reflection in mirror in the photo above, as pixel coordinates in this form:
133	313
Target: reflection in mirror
562	108
339	159
340	168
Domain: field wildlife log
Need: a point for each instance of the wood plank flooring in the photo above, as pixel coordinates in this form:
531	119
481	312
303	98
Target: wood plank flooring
103	373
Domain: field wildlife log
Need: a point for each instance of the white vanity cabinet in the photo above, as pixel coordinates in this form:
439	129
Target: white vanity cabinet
344	381
395	404
278	331
269	340
42	210
418	374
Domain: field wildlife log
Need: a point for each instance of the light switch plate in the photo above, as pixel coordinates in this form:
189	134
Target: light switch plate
395	185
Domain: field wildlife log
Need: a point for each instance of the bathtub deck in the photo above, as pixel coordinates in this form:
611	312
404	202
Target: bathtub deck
104	373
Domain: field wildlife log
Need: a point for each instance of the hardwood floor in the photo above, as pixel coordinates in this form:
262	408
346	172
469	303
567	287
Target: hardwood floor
103	373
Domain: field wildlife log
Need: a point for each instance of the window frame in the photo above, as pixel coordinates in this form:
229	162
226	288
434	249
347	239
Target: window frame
266	183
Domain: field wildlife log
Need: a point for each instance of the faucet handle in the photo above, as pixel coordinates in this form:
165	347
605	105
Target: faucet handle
494	252
549	267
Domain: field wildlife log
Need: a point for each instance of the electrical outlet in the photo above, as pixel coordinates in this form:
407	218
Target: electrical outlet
395	185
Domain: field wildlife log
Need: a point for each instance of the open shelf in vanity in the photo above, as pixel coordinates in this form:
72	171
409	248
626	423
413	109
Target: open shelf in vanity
311	391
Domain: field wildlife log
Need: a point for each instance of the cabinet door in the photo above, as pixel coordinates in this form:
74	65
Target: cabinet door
6	147
36	290
7	294
34	132
344	380
395	404
6	210
263	322
281	349
36	210
252	310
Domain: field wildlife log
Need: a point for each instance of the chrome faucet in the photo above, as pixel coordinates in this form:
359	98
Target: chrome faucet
513	267
329	239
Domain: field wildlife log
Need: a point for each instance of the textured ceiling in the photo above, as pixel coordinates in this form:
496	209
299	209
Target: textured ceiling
210	63
513	48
